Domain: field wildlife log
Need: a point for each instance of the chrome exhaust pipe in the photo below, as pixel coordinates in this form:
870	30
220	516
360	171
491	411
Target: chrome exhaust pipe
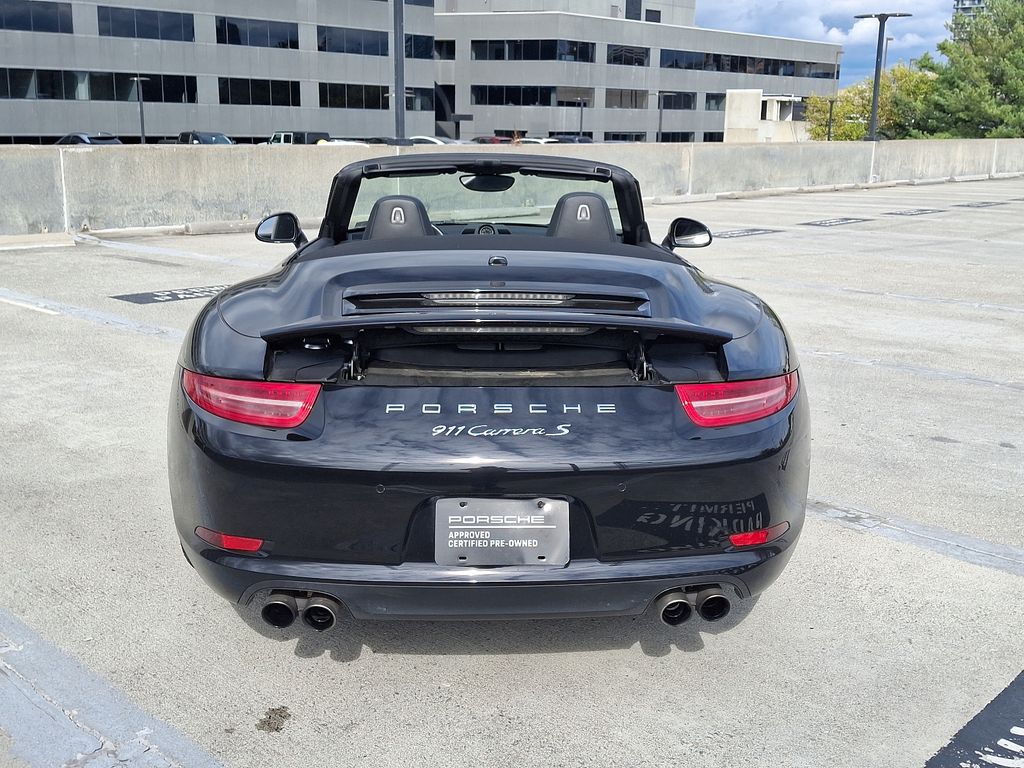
280	610
713	605
673	608
321	613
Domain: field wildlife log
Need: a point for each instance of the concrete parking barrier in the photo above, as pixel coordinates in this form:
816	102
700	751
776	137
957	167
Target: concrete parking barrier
78	189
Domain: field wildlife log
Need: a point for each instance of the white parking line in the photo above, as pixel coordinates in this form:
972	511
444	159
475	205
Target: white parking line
119	322
136	247
33	307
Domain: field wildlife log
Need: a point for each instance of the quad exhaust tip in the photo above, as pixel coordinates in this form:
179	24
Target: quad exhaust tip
713	605
321	613
673	608
280	610
676	607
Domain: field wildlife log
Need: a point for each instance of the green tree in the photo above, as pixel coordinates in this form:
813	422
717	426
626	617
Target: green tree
979	89
902	93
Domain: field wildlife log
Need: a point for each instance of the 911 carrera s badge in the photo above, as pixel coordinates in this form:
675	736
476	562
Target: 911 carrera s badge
487	430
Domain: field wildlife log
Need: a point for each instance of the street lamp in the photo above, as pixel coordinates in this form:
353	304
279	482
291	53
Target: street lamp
580	100
885	53
139	80
399	43
661	113
882	18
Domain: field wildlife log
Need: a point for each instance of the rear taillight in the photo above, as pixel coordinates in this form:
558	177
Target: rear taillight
758	537
262	403
229	542
736	402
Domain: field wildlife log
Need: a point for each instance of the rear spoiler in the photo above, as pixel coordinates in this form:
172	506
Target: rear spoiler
477	321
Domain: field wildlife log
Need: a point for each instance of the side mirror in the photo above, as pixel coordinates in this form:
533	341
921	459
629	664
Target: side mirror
687	233
281	228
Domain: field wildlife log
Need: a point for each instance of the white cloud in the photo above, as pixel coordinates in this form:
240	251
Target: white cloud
833	22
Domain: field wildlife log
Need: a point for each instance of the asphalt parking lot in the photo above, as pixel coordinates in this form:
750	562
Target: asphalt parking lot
898	621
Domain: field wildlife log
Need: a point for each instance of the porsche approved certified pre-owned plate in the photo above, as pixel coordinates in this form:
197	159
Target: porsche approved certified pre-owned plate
479	532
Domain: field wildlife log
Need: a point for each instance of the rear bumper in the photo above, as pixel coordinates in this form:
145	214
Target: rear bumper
365	535
429	591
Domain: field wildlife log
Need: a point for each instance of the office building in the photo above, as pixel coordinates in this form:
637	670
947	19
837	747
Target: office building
614	70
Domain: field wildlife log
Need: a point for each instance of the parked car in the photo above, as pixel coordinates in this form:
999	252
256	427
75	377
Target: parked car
572	139
436	140
519	406
204	137
492	140
297	137
537	141
345	142
89	138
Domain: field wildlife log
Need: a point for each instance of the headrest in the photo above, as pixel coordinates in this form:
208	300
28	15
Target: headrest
398	216
582	216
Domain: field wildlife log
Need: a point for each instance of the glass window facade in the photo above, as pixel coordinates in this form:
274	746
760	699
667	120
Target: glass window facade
363	42
748	65
714	136
532	50
419	47
95	86
257	32
256	92
419	99
629	55
676	136
444	50
654	16
625	136
512	95
33	16
623	98
153	25
633	9
714	102
353	96
678	100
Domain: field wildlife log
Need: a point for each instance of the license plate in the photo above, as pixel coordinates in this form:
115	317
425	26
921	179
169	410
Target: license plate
478	532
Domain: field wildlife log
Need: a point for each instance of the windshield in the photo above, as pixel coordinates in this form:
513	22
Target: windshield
213	138
529	200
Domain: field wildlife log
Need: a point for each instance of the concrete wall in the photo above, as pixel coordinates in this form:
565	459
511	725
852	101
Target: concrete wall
51	189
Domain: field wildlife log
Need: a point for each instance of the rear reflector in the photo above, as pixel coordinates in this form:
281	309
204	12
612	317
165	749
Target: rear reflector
262	403
756	538
226	541
736	402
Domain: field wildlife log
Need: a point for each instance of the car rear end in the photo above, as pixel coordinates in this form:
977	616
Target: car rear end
577	464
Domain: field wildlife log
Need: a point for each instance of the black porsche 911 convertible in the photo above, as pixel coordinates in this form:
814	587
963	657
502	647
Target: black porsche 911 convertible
484	391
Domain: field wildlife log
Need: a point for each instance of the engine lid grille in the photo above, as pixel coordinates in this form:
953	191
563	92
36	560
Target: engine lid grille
493	299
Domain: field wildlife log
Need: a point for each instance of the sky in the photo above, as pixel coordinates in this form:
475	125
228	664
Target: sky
833	22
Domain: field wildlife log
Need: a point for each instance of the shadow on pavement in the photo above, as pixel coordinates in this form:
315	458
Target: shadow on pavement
348	638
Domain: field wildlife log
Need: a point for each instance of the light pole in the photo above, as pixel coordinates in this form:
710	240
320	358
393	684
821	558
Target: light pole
138	80
661	113
885	53
580	100
882	18
399	43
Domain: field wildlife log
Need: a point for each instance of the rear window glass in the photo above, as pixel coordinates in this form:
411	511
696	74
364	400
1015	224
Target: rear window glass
530	199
